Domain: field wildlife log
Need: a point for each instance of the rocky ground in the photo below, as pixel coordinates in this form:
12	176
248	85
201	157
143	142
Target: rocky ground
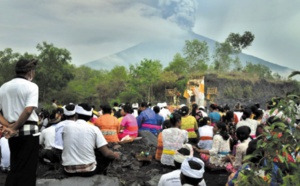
127	171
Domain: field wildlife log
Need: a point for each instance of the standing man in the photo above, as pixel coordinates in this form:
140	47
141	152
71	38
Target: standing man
18	101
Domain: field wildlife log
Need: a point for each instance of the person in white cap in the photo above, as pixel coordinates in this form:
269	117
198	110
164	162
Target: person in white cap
70	118
192	170
164	111
85	152
173	178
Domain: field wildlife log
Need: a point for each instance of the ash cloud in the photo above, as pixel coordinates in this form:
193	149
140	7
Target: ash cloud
181	12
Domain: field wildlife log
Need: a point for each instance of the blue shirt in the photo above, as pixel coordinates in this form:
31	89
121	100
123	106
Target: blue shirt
147	116
159	119
215	117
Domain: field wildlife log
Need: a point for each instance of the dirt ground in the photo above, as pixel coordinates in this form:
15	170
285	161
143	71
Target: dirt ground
129	170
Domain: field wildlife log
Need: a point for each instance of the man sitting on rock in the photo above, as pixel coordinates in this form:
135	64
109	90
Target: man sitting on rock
173	178
147	119
85	150
192	170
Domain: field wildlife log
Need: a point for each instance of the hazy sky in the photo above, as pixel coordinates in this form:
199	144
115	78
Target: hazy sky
92	29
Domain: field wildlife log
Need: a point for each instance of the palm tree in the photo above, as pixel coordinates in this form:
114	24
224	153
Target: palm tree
294	73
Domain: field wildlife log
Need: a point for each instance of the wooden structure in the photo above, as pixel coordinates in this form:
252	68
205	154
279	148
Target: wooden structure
211	92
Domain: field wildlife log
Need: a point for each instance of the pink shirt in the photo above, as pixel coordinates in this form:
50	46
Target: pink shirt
130	126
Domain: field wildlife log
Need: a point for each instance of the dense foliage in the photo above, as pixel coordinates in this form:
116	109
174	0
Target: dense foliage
277	147
147	80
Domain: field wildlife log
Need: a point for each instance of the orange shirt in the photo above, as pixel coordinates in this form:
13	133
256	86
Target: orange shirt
109	126
159	148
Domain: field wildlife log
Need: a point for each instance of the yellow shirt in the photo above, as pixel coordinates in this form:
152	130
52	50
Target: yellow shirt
189	124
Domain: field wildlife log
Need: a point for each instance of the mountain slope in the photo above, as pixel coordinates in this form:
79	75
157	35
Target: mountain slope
165	49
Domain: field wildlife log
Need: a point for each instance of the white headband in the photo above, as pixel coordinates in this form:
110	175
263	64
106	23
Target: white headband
69	112
188	171
81	110
178	157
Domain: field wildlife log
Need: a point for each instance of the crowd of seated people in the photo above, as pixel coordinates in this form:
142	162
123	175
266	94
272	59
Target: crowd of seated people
189	140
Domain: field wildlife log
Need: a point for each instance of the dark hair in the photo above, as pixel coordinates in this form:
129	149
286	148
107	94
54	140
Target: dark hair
226	107
258	114
127	108
259	131
156	109
175	118
257	105
56	111
228	117
116	104
253	109
106	109
184	152
184	110
192	181
144	104
243	133
166	124
246	114
213	106
223	130
203	121
252	146
23	66
221	109
194	109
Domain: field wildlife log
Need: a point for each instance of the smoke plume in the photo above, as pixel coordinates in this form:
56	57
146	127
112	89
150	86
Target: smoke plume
182	12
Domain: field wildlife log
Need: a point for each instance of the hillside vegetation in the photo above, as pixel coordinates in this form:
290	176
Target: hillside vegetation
147	80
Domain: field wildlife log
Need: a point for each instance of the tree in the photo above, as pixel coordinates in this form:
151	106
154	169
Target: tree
144	76
258	69
233	45
112	84
178	66
54	69
238	42
196	55
222	59
8	59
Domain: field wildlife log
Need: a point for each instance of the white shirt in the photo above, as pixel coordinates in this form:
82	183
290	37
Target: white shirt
239	115
135	113
5	152
47	137
59	128
206	131
250	123
165	113
173	179
15	96
80	140
173	139
204	114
